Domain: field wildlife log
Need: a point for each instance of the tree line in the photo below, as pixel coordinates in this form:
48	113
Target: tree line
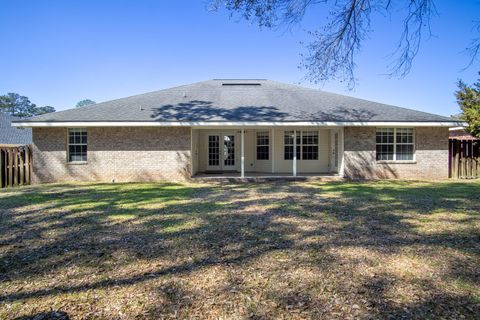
21	106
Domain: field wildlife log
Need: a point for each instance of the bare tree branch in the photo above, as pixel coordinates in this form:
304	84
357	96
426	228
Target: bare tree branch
416	24
268	13
332	54
473	49
335	45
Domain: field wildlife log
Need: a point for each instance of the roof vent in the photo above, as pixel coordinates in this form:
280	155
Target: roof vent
241	84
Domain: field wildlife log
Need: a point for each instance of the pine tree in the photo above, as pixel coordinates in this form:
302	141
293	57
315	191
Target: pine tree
468	98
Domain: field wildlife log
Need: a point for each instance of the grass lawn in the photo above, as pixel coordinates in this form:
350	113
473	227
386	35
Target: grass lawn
227	251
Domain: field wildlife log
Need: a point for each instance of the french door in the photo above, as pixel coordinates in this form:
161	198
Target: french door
221	151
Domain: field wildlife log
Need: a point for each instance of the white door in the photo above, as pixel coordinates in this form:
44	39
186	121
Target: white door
221	151
335	149
213	152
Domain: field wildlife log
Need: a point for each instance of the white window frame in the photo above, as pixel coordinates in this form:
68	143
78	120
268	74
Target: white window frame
299	144
413	143
293	144
302	144
263	134
76	144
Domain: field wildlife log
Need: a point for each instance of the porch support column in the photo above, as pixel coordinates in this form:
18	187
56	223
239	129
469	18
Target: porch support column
272	141
341	169
191	153
294	153
242	156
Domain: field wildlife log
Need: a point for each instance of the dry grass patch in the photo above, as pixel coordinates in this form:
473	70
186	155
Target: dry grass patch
304	250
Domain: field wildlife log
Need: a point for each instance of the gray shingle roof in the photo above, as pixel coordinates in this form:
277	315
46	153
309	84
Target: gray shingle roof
240	100
12	135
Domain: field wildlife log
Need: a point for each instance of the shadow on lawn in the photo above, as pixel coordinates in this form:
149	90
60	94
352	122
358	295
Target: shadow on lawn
53	315
100	227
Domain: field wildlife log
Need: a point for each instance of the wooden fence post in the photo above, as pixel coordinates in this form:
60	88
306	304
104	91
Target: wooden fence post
457	159
1	167
15	166
464	159
450	142
27	165
30	161
10	167
22	167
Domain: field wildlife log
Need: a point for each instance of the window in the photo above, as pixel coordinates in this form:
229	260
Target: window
307	145
263	143
213	150
404	144
288	145
77	144
385	143
395	144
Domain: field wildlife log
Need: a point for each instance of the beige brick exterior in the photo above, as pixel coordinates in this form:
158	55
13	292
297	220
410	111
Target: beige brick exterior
120	153
159	154
431	155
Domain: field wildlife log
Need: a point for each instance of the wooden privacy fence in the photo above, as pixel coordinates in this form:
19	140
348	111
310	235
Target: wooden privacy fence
16	166
464	159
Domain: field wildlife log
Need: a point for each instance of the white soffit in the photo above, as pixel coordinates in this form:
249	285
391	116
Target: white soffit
236	124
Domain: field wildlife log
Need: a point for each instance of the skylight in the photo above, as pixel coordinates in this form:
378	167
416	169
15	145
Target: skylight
241	84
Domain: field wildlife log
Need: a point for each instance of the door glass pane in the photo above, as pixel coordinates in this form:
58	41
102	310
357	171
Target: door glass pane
213	150
229	150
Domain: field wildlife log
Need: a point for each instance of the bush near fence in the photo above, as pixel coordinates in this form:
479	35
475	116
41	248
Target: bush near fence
15	165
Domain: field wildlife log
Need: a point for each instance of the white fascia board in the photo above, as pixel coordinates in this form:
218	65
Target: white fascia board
458	128
234	124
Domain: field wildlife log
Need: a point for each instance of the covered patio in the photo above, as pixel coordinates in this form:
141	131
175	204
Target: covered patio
267	151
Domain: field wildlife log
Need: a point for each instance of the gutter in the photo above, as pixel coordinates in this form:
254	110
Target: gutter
215	124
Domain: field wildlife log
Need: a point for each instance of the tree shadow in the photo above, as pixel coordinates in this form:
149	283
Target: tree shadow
102	227
200	110
360	167
338	114
52	315
448	305
196	110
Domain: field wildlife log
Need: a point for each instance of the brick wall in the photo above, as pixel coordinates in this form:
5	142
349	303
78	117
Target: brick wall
155	153
431	155
123	154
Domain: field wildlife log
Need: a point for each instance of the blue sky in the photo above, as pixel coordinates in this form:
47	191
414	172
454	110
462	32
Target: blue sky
60	52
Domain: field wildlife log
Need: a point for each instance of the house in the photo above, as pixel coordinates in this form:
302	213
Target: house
238	127
11	136
459	133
